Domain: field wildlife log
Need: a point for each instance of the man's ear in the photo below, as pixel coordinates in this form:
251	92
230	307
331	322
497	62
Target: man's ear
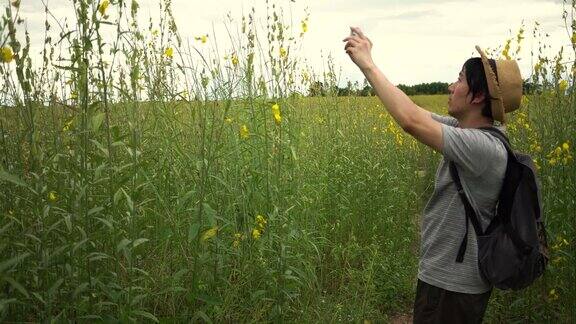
480	97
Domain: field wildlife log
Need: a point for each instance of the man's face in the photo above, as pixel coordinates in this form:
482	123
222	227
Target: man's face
459	100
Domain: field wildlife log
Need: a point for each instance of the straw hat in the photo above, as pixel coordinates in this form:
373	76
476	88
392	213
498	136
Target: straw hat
506	89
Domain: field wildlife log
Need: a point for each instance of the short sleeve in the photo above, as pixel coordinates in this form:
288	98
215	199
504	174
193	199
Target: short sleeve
446	120
471	149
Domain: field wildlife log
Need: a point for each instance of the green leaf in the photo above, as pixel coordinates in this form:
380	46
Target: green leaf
15	260
95	210
55	287
4	302
39	297
193	231
210	214
145	315
122	245
139	241
105	222
202	315
17	286
81	288
128	201
97	121
5	176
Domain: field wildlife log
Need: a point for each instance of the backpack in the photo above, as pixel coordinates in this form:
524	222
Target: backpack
513	250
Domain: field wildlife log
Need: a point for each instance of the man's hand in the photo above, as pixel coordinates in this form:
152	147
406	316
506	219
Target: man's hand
358	48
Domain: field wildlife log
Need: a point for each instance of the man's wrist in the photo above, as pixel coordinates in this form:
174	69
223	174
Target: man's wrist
368	69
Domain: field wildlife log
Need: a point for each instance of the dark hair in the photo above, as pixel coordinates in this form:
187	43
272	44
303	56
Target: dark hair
476	79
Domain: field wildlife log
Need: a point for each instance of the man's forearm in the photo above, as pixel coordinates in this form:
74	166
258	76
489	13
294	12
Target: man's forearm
402	108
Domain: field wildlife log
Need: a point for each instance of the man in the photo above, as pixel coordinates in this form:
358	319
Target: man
451	291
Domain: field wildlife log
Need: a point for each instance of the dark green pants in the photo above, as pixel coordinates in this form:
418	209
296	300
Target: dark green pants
437	305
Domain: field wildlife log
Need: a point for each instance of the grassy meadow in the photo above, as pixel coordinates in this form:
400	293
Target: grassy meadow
146	178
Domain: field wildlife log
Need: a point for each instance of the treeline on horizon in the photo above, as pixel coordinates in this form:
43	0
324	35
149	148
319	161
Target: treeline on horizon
318	89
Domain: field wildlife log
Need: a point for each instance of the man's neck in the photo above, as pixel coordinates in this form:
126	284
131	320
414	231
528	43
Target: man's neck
475	122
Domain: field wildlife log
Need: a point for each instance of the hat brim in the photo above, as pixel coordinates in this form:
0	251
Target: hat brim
496	101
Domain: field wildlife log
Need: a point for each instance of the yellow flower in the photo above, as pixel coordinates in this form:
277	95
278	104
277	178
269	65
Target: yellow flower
67	125
261	221
282	52
565	146
228	120
52	196
562	85
244	132
203	38
304	26
103	6
553	295
6	54
237	238
234	60
209	233
552	162
169	52
276	113
256	233
558	151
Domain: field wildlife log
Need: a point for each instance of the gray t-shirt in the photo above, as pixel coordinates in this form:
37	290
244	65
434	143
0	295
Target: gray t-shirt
481	162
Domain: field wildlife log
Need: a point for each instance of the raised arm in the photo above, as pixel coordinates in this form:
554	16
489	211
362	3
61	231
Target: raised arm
415	120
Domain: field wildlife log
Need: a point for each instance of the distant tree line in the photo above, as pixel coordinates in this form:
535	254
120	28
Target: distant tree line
354	89
318	89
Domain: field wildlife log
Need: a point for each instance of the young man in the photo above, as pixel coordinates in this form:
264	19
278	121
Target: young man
449	291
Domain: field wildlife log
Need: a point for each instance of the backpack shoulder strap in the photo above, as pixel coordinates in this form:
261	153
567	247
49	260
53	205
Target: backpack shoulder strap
470	213
503	138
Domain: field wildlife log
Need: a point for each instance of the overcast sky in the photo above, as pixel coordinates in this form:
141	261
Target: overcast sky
414	40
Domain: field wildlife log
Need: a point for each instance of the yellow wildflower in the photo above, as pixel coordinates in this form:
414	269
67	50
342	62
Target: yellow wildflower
552	162
565	146
256	233
67	125
169	52
553	295
209	233
103	6
238	237
261	221
562	85
304	26
203	38
283	52
52	196
244	132
6	54
276	113
234	60
228	120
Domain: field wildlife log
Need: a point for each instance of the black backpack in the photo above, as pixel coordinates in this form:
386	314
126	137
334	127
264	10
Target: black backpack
513	250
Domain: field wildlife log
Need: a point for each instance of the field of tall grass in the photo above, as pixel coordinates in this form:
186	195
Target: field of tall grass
149	178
